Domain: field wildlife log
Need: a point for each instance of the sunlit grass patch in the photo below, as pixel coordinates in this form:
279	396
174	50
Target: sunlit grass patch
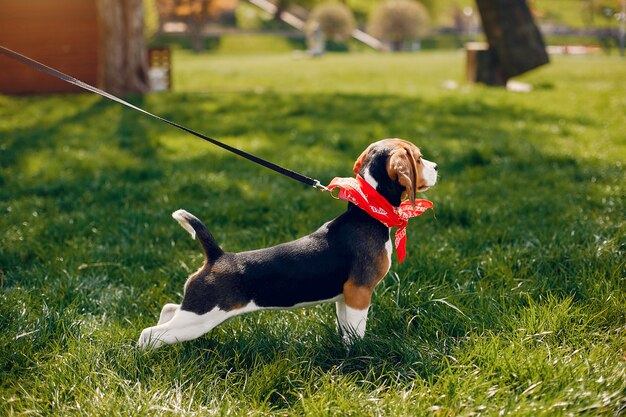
512	299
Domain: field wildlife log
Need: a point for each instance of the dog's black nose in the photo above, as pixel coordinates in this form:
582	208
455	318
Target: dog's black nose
436	167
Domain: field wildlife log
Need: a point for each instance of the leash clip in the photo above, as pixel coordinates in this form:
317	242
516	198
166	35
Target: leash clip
320	186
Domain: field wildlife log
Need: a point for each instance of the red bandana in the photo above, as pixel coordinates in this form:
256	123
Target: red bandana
363	195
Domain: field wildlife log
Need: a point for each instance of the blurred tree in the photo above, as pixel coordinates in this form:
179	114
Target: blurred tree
124	66
334	19
515	43
399	21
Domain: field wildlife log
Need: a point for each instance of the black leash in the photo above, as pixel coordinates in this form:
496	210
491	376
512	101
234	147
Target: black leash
44	68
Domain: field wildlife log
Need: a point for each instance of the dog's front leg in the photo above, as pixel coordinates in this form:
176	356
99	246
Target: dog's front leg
355	324
352	312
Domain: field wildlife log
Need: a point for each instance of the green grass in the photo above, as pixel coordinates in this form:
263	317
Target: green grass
512	300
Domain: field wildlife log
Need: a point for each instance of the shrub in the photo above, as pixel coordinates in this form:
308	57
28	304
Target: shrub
399	21
334	19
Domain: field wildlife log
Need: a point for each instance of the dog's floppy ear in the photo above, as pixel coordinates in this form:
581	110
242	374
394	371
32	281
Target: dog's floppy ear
401	167
361	159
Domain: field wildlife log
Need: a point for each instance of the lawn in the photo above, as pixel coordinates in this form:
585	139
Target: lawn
512	300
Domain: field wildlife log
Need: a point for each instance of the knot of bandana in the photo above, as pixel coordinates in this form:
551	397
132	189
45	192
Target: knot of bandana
358	192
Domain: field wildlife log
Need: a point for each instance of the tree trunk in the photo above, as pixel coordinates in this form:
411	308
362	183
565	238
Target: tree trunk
515	43
123	61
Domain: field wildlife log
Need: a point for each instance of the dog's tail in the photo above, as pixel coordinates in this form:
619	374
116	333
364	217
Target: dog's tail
196	228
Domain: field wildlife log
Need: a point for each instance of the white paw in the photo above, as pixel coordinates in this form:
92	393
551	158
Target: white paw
349	336
347	341
148	340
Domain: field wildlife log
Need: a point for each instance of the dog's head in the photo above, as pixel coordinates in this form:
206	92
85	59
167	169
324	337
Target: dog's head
396	169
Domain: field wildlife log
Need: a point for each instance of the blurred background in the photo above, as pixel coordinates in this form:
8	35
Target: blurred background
129	45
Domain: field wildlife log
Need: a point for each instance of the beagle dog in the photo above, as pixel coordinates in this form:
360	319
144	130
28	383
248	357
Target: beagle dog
341	262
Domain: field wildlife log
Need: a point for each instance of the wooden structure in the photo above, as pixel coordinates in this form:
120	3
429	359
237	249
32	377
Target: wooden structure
61	33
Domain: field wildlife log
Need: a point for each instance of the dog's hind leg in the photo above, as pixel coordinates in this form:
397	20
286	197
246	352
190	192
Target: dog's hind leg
357	302
184	325
168	312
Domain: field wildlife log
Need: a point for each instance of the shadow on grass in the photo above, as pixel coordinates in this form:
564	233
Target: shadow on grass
514	212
